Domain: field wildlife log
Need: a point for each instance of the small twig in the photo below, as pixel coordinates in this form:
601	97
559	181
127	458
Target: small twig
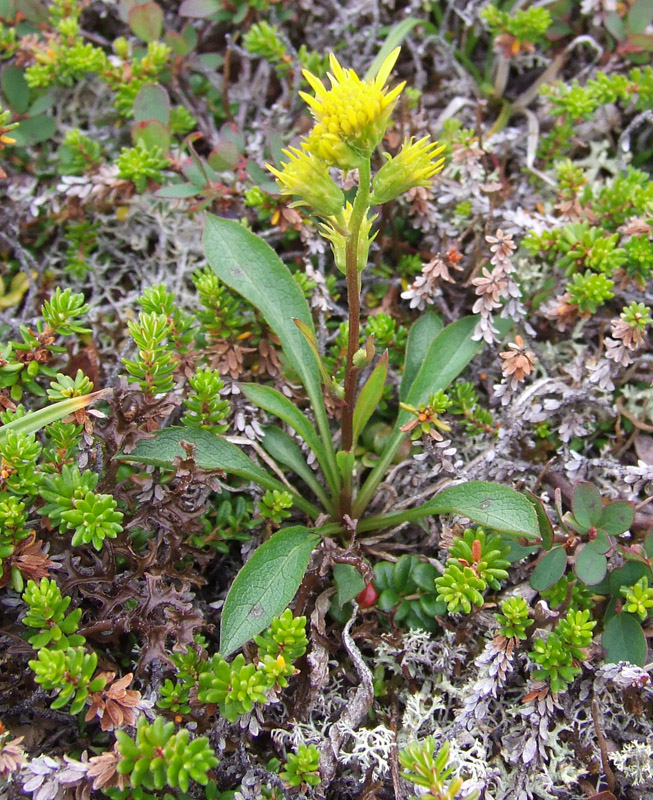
603	747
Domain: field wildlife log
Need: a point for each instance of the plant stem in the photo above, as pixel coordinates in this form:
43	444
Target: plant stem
353	269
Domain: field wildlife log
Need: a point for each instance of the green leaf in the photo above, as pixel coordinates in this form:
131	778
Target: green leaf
199	9
146	21
265	586
34	130
623	640
285	450
490	504
250	266
640	16
152	133
546	528
210	451
309	334
586	505
370	396
602	543
274	402
591	565
152	102
628	575
345	460
615	25
224	156
550	568
177	191
349	582
449	353
648	545
33	421
422	333
15	88
616	517
394	38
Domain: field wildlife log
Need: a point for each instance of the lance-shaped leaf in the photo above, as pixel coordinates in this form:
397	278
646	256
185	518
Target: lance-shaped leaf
370	396
250	267
448	354
209	451
422	333
33	421
265	585
274	402
490	504
308	334
285	450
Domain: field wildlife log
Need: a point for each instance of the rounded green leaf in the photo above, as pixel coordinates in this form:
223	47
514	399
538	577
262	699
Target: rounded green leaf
265	585
146	21
616	517
591	565
549	569
586	505
629	574
388	599
623	640
152	102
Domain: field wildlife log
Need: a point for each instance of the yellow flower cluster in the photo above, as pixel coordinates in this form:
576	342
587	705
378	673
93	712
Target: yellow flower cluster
350	120
414	165
351	116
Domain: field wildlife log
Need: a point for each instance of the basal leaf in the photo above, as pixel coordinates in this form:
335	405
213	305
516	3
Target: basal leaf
490	504
449	353
265	585
33	421
422	332
498	507
250	267
285	450
210	451
623	640
394	38
274	402
550	568
370	396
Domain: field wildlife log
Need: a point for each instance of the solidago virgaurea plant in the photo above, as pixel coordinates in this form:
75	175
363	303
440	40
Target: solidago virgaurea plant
351	115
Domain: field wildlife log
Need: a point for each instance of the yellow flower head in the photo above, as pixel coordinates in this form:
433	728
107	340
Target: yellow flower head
308	178
352	115
414	165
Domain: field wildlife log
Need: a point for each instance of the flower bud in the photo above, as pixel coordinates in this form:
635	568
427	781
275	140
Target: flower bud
414	165
307	177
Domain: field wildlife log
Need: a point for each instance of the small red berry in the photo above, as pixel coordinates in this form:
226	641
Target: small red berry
368	597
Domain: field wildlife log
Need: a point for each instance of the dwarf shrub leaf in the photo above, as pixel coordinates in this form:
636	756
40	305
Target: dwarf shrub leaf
623	640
